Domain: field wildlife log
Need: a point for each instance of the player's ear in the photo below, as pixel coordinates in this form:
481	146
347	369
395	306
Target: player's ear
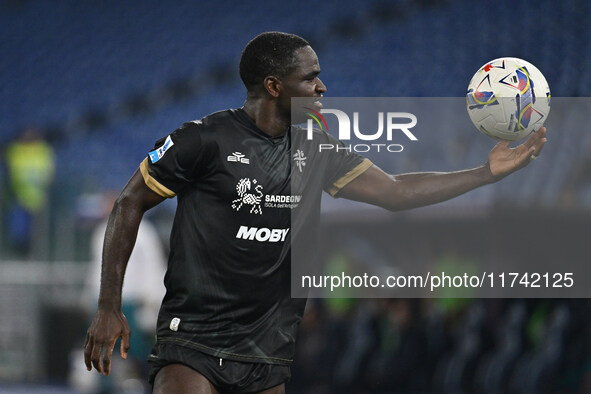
272	85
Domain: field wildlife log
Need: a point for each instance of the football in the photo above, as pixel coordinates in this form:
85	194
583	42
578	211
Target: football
508	98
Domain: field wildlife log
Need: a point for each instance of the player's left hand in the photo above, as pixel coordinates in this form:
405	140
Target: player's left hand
504	160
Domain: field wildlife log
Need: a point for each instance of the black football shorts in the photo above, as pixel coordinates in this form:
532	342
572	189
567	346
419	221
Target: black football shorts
225	375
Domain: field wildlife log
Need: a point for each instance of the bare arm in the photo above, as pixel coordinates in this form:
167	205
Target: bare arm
397	192
109	322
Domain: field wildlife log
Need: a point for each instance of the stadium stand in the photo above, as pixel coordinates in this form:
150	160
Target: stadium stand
93	72
106	79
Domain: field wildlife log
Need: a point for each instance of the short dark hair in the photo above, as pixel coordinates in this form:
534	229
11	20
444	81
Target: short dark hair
270	53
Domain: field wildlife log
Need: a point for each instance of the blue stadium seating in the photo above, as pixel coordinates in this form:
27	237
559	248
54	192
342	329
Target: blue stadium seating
68	58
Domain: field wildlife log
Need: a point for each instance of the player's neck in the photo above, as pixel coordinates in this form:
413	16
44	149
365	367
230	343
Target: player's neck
266	117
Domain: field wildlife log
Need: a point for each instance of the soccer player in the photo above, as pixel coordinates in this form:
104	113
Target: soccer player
228	322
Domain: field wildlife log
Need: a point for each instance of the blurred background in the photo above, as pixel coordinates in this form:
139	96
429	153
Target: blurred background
86	88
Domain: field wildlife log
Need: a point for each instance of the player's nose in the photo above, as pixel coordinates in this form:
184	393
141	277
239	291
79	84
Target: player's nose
320	87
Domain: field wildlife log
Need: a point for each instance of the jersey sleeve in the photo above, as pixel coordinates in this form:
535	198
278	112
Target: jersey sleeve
343	167
176	161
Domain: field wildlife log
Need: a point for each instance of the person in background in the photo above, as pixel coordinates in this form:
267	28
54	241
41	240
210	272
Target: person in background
30	167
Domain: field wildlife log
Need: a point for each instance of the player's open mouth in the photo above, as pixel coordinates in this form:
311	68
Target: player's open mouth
317	103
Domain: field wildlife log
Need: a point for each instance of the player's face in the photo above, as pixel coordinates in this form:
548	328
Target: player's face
303	81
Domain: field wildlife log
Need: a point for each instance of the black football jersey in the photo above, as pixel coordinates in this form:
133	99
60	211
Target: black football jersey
242	196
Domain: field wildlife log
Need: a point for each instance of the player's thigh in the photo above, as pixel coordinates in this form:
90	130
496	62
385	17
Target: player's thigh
180	379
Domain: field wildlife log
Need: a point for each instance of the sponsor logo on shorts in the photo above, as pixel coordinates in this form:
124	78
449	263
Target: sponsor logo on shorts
262	234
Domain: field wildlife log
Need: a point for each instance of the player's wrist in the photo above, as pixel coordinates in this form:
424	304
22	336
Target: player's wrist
109	303
488	175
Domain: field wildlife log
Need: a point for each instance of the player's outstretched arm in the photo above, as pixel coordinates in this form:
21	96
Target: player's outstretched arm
397	192
109	323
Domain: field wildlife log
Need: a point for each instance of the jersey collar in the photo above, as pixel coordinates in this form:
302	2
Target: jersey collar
246	120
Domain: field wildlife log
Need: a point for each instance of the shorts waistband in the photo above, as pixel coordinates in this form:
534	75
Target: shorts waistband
224	354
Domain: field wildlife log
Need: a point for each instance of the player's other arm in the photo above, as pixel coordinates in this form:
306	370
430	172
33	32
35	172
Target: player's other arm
109	323
397	192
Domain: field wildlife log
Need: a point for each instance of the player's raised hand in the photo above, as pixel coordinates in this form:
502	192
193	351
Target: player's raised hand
504	160
105	329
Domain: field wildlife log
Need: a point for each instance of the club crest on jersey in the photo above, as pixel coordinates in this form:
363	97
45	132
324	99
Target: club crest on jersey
300	159
249	194
157	154
238	157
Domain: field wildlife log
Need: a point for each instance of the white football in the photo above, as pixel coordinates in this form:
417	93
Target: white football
508	98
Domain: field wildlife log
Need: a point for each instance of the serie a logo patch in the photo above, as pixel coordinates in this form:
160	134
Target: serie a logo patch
157	154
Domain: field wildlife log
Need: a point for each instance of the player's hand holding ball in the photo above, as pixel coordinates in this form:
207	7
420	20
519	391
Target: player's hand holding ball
504	160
